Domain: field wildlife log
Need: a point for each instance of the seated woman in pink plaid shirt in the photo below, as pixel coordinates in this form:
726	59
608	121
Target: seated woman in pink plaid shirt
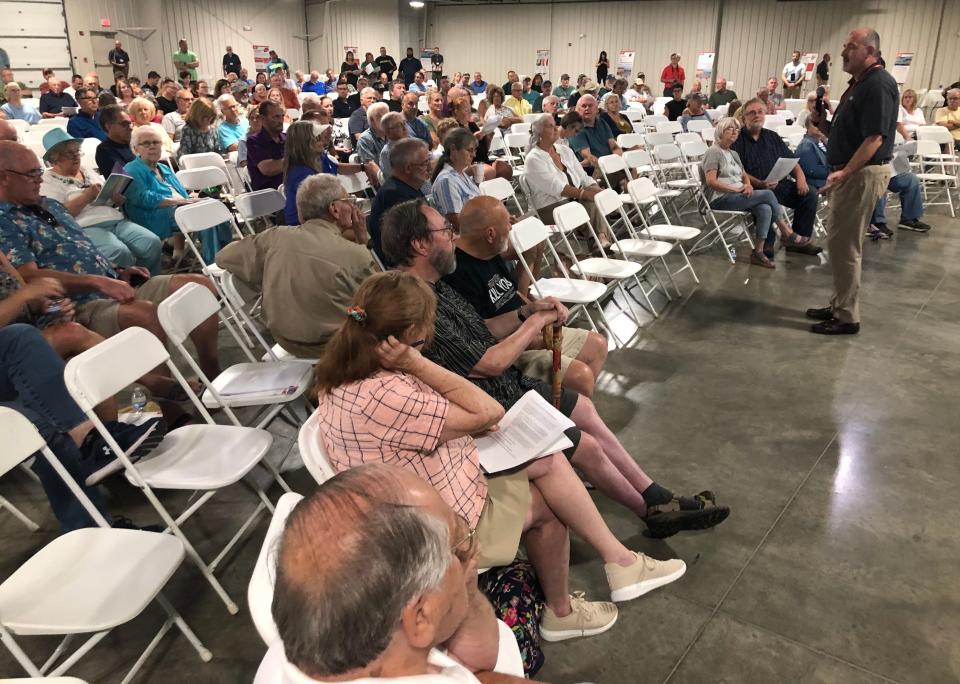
381	401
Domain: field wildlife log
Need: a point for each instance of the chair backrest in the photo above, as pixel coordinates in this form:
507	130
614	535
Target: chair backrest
185	309
570	216
687	137
263	578
46	124
528	233
293	113
194	161
787	131
611	163
628	140
497	187
693	149
21	126
641	189
201	177
635	116
228	283
794	140
928	148
697	125
638	160
671	127
251	205
653	119
794	105
654	139
607	201
530	118
938	134
523	128
312	451
772	121
118	361
201	215
666	153
708	135
517	141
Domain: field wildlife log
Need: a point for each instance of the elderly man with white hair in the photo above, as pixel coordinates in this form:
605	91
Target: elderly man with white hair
314	84
371	143
595	139
233	127
358	118
394	127
307	273
16	108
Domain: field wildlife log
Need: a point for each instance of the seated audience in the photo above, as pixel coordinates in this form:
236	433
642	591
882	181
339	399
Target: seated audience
174	122
122	242
275	96
233	128
419	241
254	126
674	108
517	103
564	90
260	94
199	131
759	148
611	115
769	105
595	138
42	240
358	118
696	89
395	101
434	115
810	106
86	122
415	127
288	94
483	278
410	163
394	130
910	116
775	97
722	95
730	189
372	141
460	111
733	109
114	152
418	86
493	107
453	180
619	92
167	97
126	95
303	157
16	108
265	148
478	86
54	100
309	273
546	90
812	152
695	111
949	116
143	113
550	105
314	84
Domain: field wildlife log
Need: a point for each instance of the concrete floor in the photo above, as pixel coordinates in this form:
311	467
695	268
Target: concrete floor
838	457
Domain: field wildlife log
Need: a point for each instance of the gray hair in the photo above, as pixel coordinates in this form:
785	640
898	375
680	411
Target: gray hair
316	194
390	118
724	124
341	589
953	91
376	111
57	152
222	100
404	152
536	130
140	132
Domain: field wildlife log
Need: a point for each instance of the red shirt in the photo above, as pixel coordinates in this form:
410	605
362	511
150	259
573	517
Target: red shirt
672	73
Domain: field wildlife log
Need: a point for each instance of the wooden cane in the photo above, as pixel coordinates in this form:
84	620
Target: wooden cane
557	346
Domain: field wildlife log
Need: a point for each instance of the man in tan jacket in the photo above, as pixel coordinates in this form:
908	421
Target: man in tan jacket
307	273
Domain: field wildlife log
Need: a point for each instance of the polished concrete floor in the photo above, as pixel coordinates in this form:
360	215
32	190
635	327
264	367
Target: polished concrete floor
838	456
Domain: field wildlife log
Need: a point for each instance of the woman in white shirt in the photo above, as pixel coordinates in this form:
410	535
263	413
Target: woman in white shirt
555	176
910	117
124	243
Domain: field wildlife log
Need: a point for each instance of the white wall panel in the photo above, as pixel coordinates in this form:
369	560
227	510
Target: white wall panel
84	16
367	24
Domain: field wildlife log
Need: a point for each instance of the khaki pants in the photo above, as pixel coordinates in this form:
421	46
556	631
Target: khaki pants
851	206
792	93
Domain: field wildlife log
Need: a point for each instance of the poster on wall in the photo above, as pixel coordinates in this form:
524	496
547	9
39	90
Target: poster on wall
261	57
809	62
543	64
705	66
901	67
625	63
426	54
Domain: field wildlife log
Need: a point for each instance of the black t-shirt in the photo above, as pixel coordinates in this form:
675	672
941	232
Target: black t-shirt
231	63
483	146
342	109
387	65
166	106
351	72
393	192
868	107
55	103
675	109
823	71
487	284
394	105
109	154
409	66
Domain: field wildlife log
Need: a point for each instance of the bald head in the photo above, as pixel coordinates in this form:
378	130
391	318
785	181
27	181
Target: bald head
484	227
23	186
7	131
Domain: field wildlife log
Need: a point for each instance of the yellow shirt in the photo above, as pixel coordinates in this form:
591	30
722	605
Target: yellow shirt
944	115
520	107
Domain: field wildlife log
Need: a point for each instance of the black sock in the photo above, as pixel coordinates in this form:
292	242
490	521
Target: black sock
655	495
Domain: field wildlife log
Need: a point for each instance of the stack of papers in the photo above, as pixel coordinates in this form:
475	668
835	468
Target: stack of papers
270	379
531	429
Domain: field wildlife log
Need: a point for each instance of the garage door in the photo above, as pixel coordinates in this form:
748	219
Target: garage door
33	35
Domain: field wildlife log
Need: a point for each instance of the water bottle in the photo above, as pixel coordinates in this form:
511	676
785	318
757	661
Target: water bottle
733	253
138	400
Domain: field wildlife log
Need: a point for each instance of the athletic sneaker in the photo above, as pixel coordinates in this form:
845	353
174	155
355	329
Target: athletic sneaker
875	233
586	618
915	225
101	459
882	227
643	575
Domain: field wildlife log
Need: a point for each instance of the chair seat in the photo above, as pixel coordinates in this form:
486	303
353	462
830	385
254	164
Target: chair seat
935	176
216	271
258	398
668	193
571	291
667	231
684	183
283	355
204	457
88	580
606	268
646	248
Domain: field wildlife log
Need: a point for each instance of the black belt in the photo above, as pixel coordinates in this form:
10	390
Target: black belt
837	167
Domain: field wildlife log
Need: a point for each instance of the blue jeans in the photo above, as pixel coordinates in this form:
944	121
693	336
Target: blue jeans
762	205
907	185
126	244
31	382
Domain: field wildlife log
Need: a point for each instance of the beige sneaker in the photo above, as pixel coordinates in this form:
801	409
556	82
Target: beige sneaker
643	575
586	618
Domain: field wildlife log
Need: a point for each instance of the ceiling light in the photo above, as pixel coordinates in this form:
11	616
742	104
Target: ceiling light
416	4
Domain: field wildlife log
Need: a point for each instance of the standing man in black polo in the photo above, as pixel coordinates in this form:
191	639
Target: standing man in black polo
409	66
119	59
231	62
858	153
386	64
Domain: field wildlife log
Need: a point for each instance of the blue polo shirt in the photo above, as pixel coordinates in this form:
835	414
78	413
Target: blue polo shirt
596	137
232	133
417	129
317	88
82	125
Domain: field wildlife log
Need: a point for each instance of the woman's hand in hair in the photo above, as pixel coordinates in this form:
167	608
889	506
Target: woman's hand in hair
395	355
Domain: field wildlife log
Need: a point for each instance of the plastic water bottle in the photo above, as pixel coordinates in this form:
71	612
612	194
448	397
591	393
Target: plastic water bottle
733	253
138	400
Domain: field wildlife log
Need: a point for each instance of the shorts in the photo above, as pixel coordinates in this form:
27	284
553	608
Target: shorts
538	363
568	402
102	315
501	521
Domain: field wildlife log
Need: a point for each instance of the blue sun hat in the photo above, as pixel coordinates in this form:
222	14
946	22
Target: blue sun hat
56	136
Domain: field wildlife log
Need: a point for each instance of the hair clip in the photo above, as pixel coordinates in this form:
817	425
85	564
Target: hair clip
358	314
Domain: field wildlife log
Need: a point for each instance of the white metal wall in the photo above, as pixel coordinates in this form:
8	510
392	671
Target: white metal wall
367	24
33	36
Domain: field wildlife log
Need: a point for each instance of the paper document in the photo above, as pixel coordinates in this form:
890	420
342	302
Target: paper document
272	378
368	69
490	124
781	169
116	183
531	428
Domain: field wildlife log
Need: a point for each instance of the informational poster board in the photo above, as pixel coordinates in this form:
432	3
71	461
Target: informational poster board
705	65
901	67
543	63
426	54
261	57
809	62
625	63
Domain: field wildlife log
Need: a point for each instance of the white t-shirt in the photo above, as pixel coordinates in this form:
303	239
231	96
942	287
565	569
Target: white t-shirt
794	72
173	124
62	188
911	121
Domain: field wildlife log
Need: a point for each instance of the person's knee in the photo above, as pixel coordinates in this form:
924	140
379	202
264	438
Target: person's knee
141	314
76	336
19	335
579	378
594	351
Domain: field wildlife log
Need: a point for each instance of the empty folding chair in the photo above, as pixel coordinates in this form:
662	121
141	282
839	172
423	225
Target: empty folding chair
530	118
44	125
708	135
656	138
84	582
671	127
629	141
644	195
697	125
517	143
942	137
786	131
774	121
8	461
635	116
641	164
257	205
692	154
503	191
691	136
200	159
614	171
651	121
936	174
521	128
673	173
88	154
270	386
199	458
21	127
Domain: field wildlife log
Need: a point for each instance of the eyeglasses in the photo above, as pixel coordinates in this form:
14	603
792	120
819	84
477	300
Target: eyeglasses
448	228
32	174
87	97
466	548
150	143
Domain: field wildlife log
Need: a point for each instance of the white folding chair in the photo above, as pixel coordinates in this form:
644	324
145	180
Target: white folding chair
312	451
45	125
671	127
942	137
941	179
521	128
786	131
697	125
723	226
10	459
708	135
293	113
628	141
21	127
258	204
673	174
635	116
530	118
655	138
194	161
517	143
689	136
774	121
88	154
793	140
651	121
271	386
503	191
644	195
199	458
